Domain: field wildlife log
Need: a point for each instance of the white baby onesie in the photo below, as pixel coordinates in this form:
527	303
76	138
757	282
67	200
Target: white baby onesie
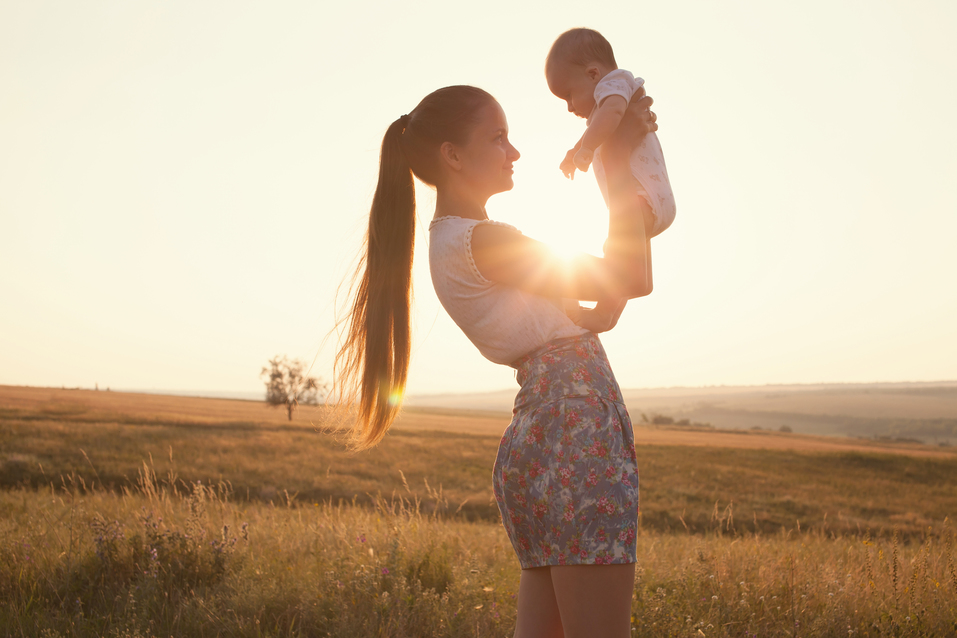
647	160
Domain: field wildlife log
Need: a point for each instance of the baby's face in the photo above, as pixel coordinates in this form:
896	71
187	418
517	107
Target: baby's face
574	84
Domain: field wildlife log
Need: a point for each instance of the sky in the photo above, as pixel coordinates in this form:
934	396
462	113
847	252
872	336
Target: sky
184	185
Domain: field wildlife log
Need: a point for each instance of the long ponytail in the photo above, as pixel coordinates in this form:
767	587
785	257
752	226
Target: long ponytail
374	360
372	365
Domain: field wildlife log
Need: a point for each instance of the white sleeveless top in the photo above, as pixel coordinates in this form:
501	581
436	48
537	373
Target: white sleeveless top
503	322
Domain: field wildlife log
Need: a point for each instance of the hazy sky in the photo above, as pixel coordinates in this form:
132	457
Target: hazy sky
184	184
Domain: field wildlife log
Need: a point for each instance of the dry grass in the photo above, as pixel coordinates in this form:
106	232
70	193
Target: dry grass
160	561
261	527
102	439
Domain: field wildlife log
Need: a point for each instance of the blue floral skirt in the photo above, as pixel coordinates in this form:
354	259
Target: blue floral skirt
566	475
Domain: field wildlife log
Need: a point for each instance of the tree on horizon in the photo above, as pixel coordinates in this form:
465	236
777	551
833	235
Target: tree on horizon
288	385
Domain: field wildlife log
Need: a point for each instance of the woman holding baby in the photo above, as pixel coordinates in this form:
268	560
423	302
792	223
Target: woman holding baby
566	476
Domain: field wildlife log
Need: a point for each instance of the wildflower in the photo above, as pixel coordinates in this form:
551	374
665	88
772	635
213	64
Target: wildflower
385	571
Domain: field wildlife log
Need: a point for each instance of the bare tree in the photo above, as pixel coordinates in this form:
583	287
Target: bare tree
287	384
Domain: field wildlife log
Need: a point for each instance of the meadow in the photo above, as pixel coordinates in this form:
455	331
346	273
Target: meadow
137	515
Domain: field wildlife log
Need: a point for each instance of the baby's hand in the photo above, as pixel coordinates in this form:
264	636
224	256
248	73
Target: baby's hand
583	159
568	165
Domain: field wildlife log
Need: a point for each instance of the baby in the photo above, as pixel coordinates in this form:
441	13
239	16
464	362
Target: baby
581	69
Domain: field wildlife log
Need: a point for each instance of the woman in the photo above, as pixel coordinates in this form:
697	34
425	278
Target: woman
566	475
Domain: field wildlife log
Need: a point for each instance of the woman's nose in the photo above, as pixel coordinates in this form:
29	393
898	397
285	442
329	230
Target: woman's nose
571	109
513	153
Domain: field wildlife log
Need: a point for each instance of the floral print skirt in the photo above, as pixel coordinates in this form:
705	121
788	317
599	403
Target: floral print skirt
566	474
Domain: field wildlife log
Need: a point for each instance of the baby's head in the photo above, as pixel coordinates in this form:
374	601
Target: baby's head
578	59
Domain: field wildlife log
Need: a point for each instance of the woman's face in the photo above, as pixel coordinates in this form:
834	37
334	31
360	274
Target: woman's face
487	158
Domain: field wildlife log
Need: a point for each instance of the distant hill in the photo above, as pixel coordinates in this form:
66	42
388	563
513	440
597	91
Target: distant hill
926	411
259	395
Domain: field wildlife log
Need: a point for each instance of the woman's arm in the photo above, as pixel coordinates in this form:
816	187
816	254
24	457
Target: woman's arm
506	256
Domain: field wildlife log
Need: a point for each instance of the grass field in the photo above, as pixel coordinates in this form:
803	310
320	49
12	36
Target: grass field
143	515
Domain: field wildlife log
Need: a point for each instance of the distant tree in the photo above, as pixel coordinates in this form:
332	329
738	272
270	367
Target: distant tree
287	384
785	428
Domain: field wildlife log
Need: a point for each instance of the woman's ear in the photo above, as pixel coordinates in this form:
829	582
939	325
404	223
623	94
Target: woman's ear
450	156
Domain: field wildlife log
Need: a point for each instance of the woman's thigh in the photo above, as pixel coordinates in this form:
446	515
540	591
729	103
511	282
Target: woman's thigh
538	614
594	600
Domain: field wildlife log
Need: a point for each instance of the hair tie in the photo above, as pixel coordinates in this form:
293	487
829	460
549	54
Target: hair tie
404	121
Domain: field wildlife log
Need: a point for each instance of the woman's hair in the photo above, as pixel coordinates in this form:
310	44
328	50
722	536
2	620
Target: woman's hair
372	363
580	47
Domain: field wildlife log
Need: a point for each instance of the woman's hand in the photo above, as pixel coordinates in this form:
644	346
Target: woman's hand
601	318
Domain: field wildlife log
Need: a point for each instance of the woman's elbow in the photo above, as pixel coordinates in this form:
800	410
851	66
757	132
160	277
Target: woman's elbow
642	290
636	287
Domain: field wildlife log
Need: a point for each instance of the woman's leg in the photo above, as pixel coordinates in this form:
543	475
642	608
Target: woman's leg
594	600
538	615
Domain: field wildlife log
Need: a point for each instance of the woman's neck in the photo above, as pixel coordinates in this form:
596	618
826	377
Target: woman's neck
452	203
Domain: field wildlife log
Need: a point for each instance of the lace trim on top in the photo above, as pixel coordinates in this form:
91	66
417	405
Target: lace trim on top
468	241
468	247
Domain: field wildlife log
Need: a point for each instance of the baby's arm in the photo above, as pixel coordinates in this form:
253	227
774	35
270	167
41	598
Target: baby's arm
603	123
568	165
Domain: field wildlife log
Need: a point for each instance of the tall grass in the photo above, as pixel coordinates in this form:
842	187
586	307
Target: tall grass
169	558
849	492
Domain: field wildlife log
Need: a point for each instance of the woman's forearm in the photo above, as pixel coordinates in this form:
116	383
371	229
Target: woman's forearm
627	248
